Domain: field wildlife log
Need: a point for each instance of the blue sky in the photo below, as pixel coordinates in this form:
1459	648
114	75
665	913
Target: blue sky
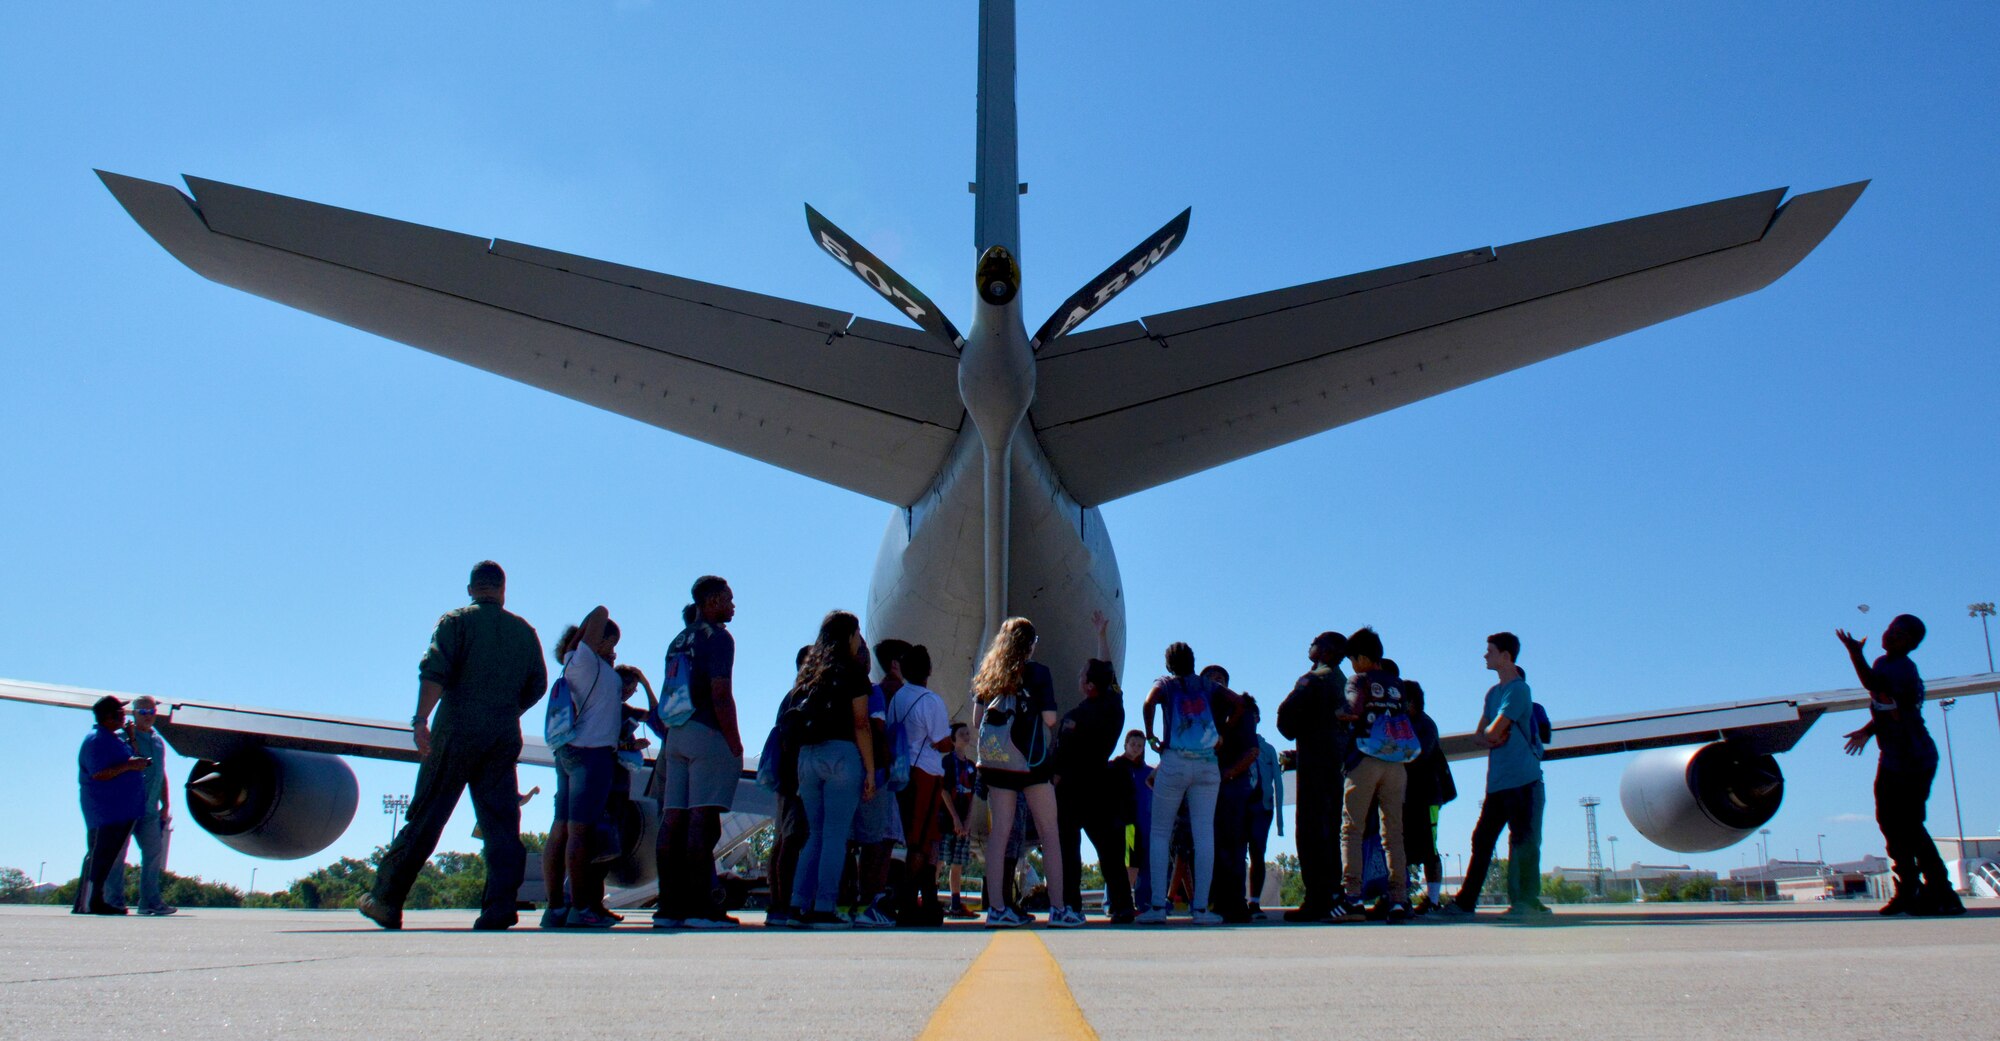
215	497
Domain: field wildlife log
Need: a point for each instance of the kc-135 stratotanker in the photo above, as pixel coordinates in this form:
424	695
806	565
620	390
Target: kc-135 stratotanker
995	447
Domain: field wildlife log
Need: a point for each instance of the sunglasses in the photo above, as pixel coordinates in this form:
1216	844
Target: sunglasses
145	712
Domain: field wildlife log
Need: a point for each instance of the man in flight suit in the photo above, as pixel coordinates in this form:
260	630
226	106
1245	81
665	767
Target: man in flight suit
482	671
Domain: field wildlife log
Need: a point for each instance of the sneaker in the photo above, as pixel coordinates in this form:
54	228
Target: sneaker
495	923
665	923
871	917
1204	916
718	921
555	917
1065	918
822	920
1535	912
1155	915
1005	918
1397	914
1453	911
1350	911
775	919
1123	917
376	911
1256	909
1379	910
961	912
159	912
588	919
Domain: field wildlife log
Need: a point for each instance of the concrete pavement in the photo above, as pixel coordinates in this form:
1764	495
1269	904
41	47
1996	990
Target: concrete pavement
1814	972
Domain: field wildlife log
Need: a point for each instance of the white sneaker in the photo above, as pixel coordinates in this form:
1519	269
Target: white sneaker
1204	916
1005	918
1065	918
1152	916
872	918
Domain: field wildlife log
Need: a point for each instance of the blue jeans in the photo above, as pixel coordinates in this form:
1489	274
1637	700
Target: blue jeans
583	790
830	787
1198	781
152	841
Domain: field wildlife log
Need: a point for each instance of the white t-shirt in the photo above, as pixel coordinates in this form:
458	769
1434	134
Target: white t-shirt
925	723
595	686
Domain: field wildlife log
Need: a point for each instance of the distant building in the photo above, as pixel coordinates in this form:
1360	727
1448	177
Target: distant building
1645	879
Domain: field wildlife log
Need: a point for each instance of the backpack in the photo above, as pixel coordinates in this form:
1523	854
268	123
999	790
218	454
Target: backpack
1539	728
676	683
814	714
1191	719
1391	734
997	748
772	755
559	724
899	744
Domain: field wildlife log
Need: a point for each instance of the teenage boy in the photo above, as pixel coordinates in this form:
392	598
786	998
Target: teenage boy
1308	717
702	759
1376	778
1907	766
919	714
1514	793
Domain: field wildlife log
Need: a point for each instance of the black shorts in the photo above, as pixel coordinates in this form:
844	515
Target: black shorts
1015	780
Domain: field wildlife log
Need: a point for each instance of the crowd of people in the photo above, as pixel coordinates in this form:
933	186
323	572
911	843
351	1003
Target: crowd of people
861	766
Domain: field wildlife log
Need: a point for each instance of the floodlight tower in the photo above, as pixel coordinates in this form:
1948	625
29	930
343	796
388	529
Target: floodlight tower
1596	864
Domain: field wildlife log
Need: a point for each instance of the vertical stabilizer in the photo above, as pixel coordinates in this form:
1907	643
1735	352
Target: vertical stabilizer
997	188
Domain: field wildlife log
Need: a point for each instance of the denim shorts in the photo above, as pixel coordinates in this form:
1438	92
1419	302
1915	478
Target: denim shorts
583	784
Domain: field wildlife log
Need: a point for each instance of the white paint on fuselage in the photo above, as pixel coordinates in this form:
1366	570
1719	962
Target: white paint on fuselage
928	585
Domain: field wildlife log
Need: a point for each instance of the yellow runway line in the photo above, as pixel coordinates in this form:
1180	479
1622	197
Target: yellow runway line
1013	989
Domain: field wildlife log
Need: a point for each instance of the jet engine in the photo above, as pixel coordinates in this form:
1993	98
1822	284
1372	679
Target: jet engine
274	803
1699	798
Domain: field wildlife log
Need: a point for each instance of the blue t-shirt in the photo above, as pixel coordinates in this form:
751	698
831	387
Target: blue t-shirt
1142	795
1514	763
117	800
713	651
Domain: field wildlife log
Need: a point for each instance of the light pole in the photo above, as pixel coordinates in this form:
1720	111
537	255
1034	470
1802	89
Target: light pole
1822	853
1764	872
39	872
394	806
253	882
1951	764
1983	611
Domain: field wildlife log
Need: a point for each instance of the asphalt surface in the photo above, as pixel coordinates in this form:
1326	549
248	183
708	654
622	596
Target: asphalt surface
1690	971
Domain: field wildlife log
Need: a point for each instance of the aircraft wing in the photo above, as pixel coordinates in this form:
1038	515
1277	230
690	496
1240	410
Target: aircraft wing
1126	407
1770	725
861	404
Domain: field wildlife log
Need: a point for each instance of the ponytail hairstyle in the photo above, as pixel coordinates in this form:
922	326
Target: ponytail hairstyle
1002	670
567	642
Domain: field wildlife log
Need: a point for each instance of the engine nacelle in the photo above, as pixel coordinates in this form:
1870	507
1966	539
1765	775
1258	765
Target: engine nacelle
273	803
1699	798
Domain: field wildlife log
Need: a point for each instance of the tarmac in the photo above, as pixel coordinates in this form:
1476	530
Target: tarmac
1812	971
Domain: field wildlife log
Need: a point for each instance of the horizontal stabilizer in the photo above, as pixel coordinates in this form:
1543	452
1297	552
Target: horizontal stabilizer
861	404
1130	406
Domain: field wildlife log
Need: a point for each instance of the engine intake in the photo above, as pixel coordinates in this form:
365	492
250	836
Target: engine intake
1701	798
274	803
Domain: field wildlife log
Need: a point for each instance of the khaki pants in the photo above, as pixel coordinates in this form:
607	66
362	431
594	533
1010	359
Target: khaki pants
1372	781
